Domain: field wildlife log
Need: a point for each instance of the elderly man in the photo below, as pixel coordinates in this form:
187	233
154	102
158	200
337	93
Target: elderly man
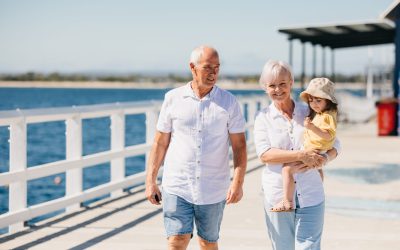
196	123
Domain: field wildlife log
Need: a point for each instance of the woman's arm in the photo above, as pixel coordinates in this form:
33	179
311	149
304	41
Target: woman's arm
280	156
330	155
276	155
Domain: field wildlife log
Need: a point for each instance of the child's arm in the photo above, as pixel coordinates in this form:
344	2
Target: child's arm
320	132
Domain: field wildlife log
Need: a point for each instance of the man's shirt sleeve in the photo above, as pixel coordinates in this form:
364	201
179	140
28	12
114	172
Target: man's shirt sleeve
164	123
236	123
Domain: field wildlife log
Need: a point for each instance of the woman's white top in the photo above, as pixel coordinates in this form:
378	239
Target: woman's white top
273	130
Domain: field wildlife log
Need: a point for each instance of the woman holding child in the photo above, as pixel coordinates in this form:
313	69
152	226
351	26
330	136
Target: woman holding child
292	184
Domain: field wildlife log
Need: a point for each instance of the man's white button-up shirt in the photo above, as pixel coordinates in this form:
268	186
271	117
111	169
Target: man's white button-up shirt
196	165
273	130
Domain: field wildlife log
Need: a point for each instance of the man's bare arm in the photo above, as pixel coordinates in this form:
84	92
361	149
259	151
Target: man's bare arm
157	154
238	142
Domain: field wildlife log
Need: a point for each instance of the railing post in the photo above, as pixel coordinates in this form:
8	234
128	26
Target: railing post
264	102
117	144
18	162
151	120
251	114
73	152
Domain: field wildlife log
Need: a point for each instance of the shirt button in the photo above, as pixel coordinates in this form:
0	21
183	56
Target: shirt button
295	181
198	177
198	161
198	146
298	194
199	131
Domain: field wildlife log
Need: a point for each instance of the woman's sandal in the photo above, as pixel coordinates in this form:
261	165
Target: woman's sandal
283	206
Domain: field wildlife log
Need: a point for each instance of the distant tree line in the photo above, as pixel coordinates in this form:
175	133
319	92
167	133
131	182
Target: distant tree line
337	78
59	77
33	76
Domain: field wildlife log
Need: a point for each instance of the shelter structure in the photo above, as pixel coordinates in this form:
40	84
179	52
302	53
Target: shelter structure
385	30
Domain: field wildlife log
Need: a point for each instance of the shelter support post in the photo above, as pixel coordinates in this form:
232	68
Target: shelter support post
323	61
303	66
333	65
291	53
396	73
314	63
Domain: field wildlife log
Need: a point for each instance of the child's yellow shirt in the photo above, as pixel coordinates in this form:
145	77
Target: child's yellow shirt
327	122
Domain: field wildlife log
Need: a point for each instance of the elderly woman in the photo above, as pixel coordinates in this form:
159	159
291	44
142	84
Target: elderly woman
278	134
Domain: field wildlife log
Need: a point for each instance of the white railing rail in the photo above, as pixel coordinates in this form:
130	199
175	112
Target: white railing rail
19	174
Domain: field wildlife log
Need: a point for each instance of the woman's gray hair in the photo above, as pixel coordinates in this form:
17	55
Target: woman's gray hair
198	52
271	71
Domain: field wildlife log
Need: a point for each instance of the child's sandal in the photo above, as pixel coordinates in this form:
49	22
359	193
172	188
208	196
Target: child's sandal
283	206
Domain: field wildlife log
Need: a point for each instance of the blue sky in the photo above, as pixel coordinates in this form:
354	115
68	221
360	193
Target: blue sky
157	36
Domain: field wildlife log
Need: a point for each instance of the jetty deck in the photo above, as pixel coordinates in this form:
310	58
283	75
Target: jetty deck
359	215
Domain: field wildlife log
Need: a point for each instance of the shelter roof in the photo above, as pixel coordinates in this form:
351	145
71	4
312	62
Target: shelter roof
344	35
392	11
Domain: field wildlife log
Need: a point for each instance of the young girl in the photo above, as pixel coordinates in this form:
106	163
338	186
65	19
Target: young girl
319	134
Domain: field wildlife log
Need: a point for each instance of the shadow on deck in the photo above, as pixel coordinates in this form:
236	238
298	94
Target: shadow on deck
100	222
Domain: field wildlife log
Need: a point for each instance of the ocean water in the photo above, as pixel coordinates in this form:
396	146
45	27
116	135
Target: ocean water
46	141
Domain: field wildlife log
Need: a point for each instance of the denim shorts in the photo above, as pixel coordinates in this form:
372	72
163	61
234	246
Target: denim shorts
179	216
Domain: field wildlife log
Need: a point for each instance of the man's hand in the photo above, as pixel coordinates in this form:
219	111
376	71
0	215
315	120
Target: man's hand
153	194
157	154
235	193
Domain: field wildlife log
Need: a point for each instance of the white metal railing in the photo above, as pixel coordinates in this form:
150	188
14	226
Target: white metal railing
74	163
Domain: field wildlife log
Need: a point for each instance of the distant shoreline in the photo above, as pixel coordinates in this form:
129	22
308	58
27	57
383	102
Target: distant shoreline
145	85
86	85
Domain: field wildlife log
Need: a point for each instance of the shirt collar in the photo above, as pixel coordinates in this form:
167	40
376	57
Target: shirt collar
275	112
188	92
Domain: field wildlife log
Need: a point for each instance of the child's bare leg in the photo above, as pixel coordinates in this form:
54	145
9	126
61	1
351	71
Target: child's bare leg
288	190
288	183
321	173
